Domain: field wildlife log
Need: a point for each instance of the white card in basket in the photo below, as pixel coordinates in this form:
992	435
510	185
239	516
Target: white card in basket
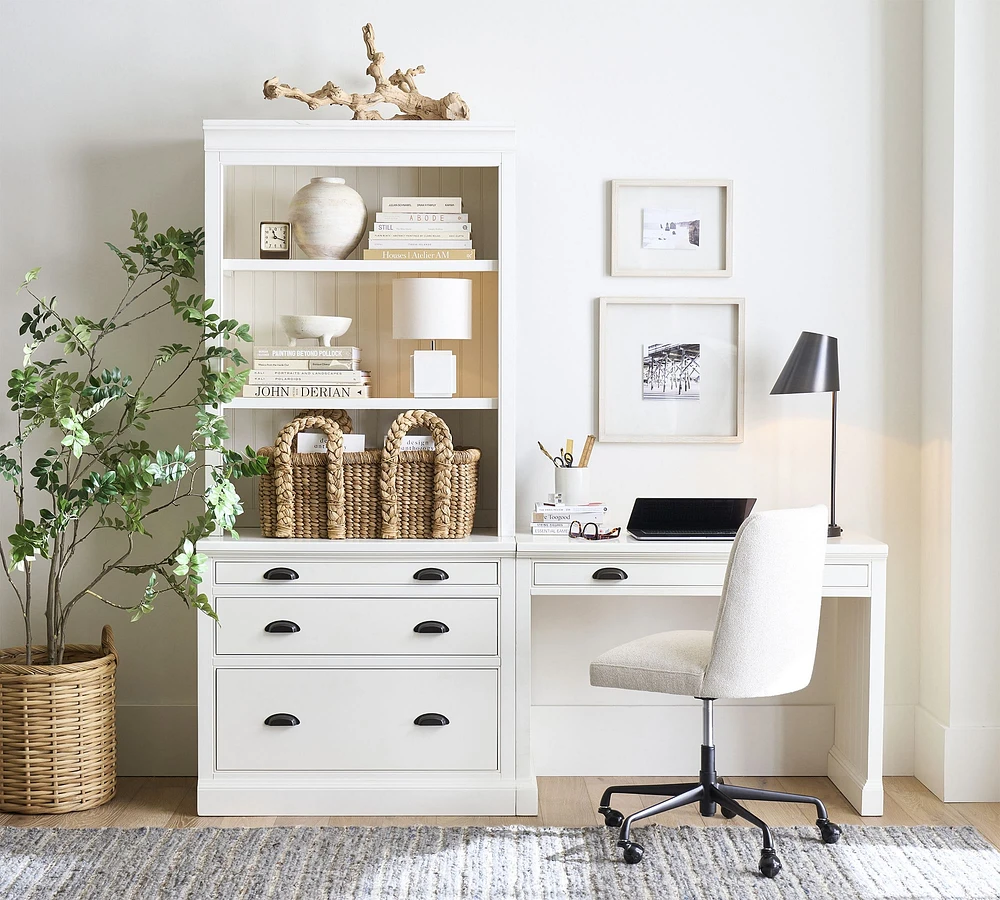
315	442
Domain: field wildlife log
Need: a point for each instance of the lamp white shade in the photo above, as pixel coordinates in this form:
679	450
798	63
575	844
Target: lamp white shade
435	309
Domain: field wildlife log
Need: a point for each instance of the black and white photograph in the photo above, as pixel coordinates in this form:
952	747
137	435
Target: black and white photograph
671	371
670	229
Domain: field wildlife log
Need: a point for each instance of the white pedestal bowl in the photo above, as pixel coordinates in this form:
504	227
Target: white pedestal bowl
322	328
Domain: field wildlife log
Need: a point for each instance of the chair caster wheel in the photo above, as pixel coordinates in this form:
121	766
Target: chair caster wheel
725	812
632	852
829	831
770	865
707	809
612	818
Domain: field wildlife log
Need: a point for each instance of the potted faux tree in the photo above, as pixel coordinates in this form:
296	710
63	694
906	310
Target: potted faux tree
81	471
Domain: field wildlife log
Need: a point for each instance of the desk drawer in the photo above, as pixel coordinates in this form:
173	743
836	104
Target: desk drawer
360	627
637	573
340	573
845	575
354	719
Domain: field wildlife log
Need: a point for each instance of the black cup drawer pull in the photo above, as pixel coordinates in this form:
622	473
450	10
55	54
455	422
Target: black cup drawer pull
281	573
610	573
431	627
281	626
430	574
431	719
282	719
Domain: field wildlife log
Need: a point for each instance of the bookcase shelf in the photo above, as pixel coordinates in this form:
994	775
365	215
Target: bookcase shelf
400	403
358	265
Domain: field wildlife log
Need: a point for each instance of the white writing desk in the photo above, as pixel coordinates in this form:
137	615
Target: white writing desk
855	571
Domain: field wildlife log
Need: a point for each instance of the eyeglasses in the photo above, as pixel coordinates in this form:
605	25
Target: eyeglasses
590	532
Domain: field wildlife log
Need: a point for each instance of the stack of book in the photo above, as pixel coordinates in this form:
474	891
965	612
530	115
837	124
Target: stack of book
421	228
555	519
313	373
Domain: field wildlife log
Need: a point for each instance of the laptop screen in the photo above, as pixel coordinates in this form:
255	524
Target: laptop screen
694	515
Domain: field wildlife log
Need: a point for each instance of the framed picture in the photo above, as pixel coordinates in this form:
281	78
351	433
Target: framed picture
672	227
671	371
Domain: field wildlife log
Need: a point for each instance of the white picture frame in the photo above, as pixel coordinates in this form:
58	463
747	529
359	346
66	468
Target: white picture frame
705	409
702	248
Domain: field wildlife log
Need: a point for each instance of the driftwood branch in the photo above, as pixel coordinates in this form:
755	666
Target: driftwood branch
400	89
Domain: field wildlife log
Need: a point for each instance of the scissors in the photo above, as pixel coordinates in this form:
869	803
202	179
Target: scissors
563	460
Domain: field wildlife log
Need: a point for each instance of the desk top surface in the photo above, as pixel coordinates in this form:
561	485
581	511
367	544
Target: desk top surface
851	544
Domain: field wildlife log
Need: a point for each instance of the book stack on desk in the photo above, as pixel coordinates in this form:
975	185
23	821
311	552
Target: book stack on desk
421	228
310	373
549	518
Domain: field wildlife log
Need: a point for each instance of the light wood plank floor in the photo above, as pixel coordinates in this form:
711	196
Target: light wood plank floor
170	802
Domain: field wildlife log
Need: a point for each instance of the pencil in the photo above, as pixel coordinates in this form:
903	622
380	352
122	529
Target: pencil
546	452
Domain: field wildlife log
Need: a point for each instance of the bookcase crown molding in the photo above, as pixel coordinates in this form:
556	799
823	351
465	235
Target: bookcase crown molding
275	135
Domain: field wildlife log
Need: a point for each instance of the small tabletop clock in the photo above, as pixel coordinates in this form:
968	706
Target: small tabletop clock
275	240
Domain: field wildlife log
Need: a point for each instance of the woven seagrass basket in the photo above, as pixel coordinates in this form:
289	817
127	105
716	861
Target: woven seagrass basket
427	493
58	748
319	495
387	493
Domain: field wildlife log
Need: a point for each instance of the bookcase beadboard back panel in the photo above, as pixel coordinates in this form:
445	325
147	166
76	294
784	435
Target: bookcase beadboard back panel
258	193
262	193
255	194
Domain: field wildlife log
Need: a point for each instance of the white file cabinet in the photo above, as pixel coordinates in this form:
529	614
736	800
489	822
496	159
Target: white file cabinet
358	678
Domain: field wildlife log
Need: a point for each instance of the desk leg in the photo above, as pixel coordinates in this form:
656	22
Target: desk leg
527	787
855	762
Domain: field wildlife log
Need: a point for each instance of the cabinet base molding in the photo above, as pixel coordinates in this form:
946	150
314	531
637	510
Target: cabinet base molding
864	795
375	799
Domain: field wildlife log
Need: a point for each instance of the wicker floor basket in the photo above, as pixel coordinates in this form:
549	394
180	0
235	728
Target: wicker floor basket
387	493
57	729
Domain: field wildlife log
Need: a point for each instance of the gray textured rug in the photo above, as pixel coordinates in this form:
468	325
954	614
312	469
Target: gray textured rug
423	862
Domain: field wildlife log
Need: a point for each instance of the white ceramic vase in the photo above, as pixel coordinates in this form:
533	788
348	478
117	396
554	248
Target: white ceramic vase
328	218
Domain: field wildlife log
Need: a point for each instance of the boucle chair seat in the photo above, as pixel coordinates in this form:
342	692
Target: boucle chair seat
672	662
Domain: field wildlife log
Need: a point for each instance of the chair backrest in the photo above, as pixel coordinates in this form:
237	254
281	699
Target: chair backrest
765	636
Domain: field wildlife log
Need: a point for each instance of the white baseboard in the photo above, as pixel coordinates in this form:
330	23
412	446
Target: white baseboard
157	740
958	763
928	751
665	740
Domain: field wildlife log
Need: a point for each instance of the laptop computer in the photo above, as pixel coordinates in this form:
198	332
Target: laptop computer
699	519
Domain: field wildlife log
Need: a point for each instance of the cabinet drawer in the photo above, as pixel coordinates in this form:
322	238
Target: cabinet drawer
637	573
280	572
357	626
356	719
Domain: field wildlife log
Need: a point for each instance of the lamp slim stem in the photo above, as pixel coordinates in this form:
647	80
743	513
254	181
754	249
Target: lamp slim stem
834	529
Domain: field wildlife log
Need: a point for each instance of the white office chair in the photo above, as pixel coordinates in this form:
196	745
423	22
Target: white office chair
764	644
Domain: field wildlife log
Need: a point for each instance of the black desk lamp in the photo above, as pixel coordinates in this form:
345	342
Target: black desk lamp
813	368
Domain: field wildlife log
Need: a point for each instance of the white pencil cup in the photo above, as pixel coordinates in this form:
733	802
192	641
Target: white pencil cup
574	485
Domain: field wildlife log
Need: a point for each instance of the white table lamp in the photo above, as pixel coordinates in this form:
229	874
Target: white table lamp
434	309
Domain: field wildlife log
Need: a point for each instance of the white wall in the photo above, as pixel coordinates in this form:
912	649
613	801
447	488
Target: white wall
812	108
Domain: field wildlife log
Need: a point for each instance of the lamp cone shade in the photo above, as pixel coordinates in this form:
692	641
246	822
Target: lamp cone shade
813	366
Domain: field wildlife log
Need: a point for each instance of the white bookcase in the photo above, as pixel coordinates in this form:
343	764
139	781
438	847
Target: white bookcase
356	674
